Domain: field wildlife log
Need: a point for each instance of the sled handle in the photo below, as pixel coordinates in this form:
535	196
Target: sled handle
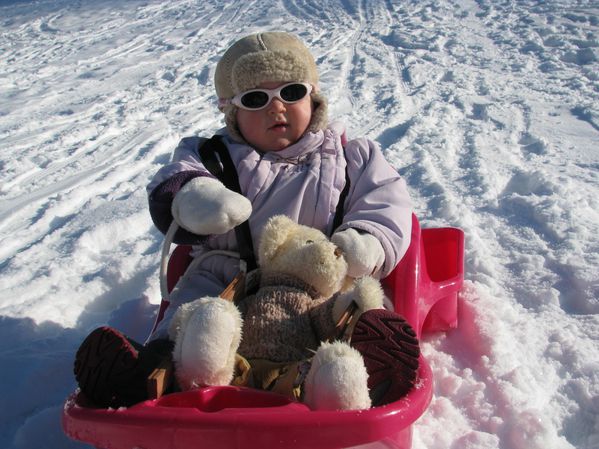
166	249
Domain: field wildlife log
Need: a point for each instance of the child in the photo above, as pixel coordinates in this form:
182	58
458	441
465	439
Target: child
289	160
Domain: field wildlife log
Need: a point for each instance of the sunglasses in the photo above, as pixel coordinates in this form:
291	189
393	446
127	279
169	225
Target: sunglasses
256	99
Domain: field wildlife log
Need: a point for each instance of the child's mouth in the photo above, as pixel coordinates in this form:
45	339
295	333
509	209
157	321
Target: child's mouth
279	127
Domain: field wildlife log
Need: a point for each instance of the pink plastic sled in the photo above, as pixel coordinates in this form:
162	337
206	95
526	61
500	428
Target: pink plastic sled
424	288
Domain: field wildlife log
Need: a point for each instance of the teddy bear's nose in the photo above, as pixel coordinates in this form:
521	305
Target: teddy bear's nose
338	252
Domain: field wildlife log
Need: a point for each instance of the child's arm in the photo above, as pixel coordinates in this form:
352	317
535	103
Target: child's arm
378	202
161	200
199	203
205	206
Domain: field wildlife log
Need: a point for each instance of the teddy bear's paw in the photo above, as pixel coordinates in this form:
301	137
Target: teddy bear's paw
337	379
367	293
206	344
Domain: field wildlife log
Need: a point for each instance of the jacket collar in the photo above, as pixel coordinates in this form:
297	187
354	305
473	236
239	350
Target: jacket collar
306	145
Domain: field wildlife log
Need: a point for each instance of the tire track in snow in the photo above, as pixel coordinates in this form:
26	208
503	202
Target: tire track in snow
452	184
111	160
97	152
459	180
44	207
348	86
62	128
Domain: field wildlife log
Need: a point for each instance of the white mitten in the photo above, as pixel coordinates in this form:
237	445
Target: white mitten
205	206
362	251
367	293
337	379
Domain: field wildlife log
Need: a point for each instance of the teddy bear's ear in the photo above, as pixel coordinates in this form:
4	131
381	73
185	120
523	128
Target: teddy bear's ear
275	233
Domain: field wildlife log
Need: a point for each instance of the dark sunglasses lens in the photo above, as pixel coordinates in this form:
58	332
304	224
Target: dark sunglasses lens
254	100
294	92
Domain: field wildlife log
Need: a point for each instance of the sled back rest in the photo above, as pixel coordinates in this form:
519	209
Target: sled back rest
423	287
178	262
426	282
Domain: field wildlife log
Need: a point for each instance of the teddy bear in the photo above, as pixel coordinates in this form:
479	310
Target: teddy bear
286	330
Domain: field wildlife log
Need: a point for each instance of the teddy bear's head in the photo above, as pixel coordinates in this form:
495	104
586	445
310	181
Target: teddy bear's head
304	252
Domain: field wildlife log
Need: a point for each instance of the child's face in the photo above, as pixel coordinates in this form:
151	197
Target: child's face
276	126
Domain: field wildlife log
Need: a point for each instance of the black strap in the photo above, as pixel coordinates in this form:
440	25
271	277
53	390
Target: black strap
339	211
217	160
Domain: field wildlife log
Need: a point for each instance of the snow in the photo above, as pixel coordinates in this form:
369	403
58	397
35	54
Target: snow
489	109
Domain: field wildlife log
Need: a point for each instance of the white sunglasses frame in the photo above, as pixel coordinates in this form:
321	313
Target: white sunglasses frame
272	93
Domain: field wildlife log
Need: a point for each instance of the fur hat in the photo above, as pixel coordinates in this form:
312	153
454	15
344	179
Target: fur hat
267	57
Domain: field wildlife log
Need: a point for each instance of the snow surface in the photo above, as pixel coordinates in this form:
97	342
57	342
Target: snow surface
489	109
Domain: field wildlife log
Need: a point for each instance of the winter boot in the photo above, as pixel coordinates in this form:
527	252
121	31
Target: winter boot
112	370
390	350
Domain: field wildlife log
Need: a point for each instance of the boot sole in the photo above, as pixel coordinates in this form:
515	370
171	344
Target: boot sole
390	350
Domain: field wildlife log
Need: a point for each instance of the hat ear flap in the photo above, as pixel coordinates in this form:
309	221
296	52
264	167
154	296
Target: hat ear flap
320	112
275	233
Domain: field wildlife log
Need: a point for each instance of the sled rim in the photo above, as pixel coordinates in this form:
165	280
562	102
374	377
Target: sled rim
155	424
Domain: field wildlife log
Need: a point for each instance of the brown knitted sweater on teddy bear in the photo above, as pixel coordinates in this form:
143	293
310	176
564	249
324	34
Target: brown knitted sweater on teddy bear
285	320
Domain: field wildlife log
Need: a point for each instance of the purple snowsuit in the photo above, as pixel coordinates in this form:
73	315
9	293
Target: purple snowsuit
302	181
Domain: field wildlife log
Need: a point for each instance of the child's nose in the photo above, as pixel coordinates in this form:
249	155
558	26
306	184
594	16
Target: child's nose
276	105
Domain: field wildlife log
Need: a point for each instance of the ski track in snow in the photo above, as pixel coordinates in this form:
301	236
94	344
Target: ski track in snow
489	109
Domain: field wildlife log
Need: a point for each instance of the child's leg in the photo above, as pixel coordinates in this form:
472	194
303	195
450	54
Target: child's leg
112	370
380	366
196	283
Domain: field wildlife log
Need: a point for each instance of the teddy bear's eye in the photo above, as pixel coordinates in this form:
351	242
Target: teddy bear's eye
309	241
